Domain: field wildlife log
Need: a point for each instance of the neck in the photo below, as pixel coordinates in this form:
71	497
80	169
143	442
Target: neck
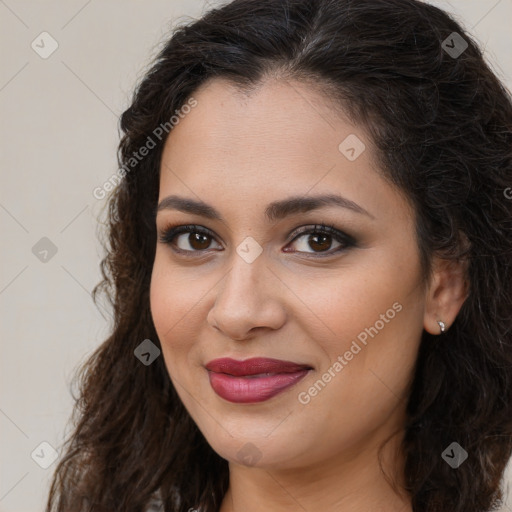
352	482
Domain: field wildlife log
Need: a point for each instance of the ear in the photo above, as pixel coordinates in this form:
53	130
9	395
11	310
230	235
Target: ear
447	291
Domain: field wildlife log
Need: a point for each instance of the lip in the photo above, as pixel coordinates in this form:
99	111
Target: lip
253	380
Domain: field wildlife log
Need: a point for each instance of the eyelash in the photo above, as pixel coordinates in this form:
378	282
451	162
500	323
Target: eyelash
168	235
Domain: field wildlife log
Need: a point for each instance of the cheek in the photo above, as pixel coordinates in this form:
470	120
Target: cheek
172	308
341	304
360	384
162	297
370	316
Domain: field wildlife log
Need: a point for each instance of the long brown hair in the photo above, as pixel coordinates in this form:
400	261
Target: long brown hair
442	126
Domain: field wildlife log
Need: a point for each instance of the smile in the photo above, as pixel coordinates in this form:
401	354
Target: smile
253	380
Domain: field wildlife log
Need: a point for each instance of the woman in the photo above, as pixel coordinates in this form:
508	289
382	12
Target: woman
309	262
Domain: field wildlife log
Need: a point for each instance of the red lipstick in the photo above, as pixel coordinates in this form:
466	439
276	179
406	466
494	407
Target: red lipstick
253	380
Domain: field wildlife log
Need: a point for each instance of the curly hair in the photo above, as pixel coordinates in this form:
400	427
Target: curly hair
442	128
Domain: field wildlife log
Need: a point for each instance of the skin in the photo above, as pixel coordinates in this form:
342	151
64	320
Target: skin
238	153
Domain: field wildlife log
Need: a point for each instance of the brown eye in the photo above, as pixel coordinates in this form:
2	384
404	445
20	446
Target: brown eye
197	241
319	242
187	238
321	238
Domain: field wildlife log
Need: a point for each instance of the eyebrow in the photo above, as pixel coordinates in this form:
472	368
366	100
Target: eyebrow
274	211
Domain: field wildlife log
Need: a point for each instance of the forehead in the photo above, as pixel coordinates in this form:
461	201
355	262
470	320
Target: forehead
283	138
290	110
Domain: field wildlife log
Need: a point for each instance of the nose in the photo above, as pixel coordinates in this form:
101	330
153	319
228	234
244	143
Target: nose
248	299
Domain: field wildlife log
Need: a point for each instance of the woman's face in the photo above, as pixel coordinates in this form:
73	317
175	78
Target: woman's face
264	282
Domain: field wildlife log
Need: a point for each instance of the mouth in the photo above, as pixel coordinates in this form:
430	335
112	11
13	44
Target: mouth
253	380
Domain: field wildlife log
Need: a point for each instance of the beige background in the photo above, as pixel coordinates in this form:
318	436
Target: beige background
58	138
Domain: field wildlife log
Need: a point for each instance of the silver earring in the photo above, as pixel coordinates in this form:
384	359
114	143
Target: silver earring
442	326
